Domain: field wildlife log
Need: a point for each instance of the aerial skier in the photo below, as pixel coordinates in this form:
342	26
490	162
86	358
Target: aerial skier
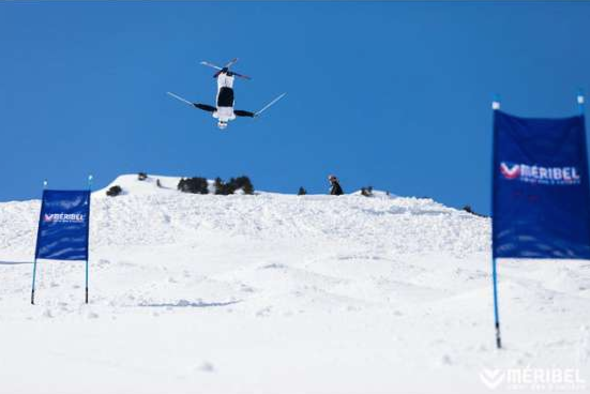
224	110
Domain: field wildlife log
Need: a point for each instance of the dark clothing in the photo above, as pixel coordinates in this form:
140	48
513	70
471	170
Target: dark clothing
336	190
226	97
248	114
205	107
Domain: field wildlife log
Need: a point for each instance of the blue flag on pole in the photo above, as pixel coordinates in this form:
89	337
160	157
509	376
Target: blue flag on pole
541	194
64	225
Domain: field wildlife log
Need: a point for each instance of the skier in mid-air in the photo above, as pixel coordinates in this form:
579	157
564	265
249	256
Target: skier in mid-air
224	110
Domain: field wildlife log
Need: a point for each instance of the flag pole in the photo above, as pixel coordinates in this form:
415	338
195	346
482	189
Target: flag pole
37	245
496	313
495	107
87	232
496	102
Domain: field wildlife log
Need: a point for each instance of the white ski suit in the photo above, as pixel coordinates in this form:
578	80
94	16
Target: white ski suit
225	98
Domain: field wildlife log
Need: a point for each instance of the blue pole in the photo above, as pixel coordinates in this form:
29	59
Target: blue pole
34	275
37	244
496	313
495	107
87	233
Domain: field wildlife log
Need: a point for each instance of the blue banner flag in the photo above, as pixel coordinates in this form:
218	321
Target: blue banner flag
64	225
541	195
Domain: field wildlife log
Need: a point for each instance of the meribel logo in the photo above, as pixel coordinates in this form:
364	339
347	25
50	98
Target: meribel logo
63	218
539	174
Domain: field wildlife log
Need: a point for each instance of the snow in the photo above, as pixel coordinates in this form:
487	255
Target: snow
277	293
131	183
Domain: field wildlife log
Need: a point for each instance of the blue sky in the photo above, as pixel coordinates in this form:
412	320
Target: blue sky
393	95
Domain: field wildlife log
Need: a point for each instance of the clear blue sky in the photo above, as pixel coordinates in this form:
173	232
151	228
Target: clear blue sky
393	95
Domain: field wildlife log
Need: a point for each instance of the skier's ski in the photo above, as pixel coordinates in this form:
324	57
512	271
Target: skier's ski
211	65
180	98
225	68
231	62
215	66
267	106
239	75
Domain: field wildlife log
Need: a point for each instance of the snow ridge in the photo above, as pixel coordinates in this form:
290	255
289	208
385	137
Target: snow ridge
280	293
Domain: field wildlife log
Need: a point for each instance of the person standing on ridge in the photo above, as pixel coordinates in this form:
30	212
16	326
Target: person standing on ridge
335	189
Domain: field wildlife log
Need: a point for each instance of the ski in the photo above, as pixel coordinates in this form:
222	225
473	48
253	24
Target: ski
240	75
211	65
224	68
267	106
179	98
231	62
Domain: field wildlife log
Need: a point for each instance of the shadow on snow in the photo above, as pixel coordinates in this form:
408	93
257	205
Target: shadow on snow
190	304
15	262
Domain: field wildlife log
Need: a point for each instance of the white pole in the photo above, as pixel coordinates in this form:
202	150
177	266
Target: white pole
496	103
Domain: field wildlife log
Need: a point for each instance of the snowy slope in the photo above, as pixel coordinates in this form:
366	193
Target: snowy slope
131	185
278	294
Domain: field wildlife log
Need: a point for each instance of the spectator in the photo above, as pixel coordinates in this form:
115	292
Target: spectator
335	189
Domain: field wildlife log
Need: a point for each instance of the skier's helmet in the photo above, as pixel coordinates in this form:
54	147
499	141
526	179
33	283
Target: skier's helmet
222	125
332	178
